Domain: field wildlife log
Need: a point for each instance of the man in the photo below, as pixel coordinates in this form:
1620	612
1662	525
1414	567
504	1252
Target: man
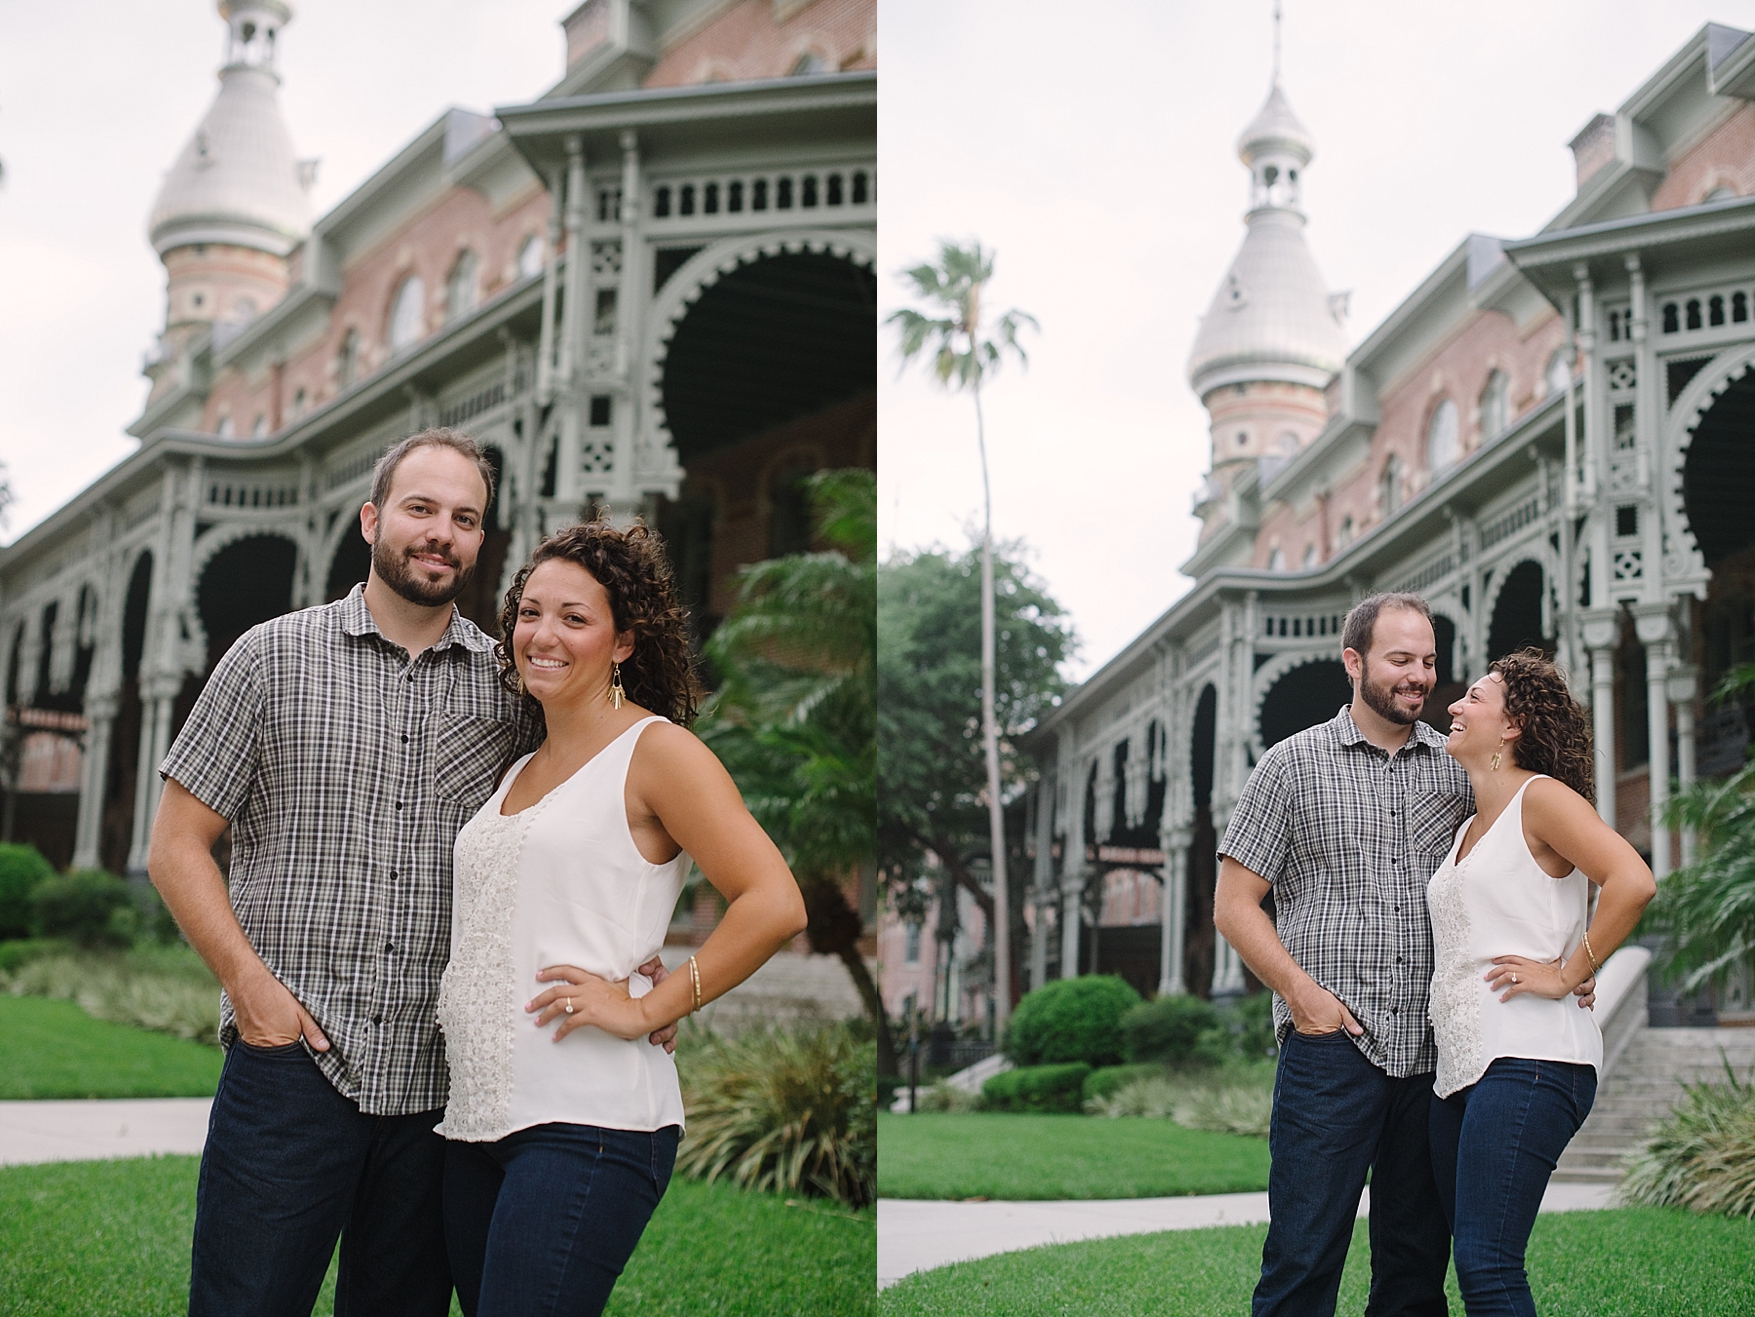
1345	822
345	745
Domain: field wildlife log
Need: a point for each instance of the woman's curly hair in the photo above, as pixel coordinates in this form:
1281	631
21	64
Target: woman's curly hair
632	566
1556	736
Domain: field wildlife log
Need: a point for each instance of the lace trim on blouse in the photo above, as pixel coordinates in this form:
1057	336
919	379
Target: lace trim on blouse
475	1012
1455	1004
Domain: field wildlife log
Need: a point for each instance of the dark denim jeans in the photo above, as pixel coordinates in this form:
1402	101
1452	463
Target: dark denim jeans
1337	1117
541	1222
290	1165
1494	1145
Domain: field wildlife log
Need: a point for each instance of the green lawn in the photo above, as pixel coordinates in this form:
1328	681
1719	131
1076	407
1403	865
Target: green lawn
92	1239
1632	1262
53	1049
993	1155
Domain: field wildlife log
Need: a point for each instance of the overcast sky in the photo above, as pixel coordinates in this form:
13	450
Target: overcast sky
1094	147
97	97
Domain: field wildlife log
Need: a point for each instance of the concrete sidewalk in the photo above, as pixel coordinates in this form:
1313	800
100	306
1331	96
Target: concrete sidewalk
95	1129
918	1235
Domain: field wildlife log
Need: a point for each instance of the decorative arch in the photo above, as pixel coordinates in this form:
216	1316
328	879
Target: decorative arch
229	533
1268	676
1504	572
234	612
1683	561
711	264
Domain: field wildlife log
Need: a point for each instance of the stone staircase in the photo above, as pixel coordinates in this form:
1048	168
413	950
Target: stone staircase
1643	1084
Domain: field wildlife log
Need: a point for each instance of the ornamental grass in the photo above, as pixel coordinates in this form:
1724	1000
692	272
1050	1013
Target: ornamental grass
1703	1157
163	988
786	1111
1234	1103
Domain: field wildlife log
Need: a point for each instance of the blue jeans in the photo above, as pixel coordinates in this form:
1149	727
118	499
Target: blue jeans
541	1222
1336	1118
290	1165
1494	1145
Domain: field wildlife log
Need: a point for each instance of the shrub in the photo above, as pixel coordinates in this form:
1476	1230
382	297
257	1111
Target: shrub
1167	1029
1105	1082
1236	1103
15	955
88	907
1071	1020
1037	1088
22	868
784	1111
942	1097
166	989
1703	1157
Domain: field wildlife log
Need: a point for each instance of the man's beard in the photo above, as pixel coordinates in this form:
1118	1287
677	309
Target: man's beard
395	571
1379	697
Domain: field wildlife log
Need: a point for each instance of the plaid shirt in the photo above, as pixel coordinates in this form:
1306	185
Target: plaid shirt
346	771
1349	835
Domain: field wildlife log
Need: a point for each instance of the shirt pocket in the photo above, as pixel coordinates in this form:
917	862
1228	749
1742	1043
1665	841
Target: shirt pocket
1432	820
469	755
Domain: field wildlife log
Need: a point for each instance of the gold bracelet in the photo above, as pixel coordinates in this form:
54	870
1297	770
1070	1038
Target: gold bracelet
1592	956
695	982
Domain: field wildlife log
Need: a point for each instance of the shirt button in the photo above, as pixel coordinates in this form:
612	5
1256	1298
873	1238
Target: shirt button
399	806
389	948
405	740
377	1019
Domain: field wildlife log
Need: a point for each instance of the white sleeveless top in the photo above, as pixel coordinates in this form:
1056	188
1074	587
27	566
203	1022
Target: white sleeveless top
1500	902
560	883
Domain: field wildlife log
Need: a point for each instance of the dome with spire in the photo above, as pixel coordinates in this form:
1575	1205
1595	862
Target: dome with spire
238	180
1276	129
1272	318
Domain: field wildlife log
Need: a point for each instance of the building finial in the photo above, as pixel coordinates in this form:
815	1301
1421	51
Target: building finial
1276	43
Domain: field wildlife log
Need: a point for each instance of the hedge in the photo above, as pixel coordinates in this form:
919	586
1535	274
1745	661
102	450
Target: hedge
1071	1020
1037	1088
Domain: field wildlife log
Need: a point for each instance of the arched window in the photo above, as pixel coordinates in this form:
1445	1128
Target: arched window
1309	556
408	314
530	256
1442	445
244	310
1389	485
461	286
347	360
1493	408
299	403
260	428
226	430
1289	444
1345	537
1723	192
1559	372
1277	560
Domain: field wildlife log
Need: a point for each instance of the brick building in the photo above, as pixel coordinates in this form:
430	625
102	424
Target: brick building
649	290
1550	438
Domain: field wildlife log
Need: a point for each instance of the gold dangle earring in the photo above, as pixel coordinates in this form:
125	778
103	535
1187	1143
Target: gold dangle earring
616	693
1493	764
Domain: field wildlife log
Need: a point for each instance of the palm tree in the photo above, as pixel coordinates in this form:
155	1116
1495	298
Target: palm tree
795	717
963	353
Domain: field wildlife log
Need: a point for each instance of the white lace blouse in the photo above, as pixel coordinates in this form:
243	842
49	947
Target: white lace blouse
1500	902
559	883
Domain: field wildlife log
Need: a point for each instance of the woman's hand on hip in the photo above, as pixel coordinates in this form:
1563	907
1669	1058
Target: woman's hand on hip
1512	976
581	998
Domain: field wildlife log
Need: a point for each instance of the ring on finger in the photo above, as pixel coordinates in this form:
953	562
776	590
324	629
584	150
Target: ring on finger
569	1002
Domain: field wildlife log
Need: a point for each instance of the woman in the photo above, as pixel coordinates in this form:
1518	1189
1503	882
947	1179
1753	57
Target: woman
1517	1064
562	1143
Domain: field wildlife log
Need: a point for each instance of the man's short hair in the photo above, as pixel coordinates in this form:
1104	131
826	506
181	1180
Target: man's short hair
1361	623
437	437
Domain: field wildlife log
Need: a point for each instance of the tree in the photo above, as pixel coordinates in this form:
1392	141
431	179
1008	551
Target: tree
932	780
963	352
1706	910
795	716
